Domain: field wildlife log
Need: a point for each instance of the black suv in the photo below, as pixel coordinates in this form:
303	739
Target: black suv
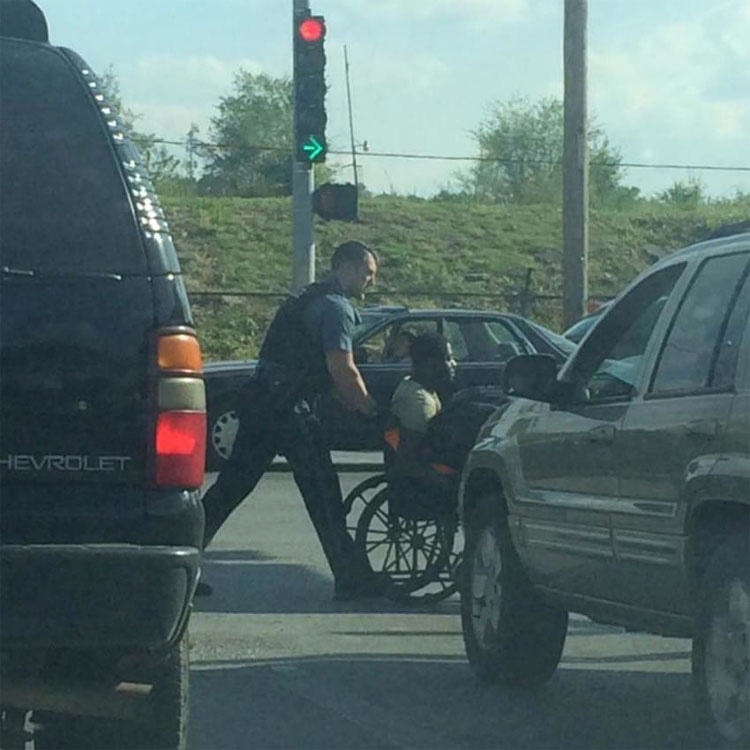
620	487
102	438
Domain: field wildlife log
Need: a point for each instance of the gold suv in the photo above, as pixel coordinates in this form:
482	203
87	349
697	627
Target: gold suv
619	487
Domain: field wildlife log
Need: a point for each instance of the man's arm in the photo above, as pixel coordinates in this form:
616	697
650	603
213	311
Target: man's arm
348	383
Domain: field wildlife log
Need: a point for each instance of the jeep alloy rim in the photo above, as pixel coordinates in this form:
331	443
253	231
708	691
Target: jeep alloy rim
728	660
486	590
224	432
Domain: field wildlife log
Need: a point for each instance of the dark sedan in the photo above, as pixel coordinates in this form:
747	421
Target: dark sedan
482	341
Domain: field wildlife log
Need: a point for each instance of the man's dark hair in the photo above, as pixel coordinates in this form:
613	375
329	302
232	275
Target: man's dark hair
428	347
352	251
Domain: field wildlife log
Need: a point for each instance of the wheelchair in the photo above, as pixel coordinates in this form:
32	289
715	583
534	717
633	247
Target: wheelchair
408	530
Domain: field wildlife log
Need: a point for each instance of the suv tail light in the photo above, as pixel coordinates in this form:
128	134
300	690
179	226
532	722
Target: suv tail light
179	399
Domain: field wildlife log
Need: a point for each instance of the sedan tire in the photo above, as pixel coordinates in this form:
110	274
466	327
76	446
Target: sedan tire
222	431
509	634
721	646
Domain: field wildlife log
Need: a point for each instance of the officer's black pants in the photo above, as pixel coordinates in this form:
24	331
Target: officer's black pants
296	434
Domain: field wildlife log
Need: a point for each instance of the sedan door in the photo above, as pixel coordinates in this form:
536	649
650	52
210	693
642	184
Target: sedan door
383	364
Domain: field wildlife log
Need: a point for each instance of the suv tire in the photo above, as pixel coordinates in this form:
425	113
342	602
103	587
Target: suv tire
168	720
721	645
510	635
163	726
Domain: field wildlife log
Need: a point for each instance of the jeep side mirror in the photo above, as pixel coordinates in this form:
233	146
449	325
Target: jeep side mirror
531	376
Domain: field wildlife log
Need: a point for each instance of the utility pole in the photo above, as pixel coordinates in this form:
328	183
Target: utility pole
191	151
575	164
303	252
351	120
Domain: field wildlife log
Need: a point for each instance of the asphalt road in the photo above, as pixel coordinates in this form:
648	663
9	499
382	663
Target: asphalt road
276	664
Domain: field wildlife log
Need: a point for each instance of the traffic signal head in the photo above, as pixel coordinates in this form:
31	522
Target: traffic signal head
332	201
312	29
309	88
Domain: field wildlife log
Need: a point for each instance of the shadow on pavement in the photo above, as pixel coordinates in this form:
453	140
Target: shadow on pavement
586	628
245	582
230	555
627	658
430	702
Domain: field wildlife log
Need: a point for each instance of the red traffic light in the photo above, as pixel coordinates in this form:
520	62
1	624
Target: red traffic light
312	29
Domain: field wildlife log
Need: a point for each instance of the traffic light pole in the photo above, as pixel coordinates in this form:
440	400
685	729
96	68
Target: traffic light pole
303	256
303	250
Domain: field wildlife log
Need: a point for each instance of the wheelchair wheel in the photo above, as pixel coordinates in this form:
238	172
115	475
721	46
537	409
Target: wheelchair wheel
359	498
417	556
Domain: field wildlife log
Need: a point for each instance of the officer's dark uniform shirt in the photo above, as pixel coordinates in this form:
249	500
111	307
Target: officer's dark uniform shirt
319	320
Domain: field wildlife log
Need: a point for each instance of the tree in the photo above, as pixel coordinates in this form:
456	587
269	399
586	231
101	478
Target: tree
161	165
251	143
687	194
521	149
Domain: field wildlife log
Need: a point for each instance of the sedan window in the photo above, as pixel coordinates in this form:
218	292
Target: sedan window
695	337
477	340
390	344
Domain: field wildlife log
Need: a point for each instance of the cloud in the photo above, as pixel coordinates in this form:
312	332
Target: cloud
679	92
478	11
392	72
172	91
189	74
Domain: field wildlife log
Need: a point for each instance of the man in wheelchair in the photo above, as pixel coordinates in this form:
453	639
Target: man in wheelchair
405	520
415	403
427	443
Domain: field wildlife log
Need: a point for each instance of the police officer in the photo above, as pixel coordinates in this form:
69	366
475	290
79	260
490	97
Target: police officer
307	352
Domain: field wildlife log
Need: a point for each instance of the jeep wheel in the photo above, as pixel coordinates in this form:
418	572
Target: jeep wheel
509	634
222	432
721	645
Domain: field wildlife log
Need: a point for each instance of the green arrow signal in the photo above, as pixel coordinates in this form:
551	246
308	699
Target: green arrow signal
313	147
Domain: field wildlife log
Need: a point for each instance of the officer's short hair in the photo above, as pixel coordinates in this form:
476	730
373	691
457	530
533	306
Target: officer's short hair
352	251
427	347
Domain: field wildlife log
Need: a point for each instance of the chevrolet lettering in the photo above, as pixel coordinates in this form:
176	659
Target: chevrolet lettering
26	462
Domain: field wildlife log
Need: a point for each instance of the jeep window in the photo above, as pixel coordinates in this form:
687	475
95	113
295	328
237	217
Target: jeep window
611	361
731	339
54	146
695	336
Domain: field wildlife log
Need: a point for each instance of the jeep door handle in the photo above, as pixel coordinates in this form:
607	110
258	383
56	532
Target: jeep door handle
604	434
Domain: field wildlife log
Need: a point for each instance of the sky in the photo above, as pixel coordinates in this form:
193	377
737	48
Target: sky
668	80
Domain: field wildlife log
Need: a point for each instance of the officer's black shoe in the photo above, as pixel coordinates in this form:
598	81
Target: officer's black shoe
204	589
368	588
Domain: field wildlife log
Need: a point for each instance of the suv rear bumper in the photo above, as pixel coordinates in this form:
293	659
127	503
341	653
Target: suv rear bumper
101	595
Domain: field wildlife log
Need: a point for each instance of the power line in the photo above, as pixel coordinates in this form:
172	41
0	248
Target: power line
444	157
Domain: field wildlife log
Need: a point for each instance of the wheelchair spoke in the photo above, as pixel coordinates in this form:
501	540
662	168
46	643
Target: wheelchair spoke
414	553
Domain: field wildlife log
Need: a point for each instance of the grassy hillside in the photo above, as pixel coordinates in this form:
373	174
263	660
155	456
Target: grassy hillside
429	250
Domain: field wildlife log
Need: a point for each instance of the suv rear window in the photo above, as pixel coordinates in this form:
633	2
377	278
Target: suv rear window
64	206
